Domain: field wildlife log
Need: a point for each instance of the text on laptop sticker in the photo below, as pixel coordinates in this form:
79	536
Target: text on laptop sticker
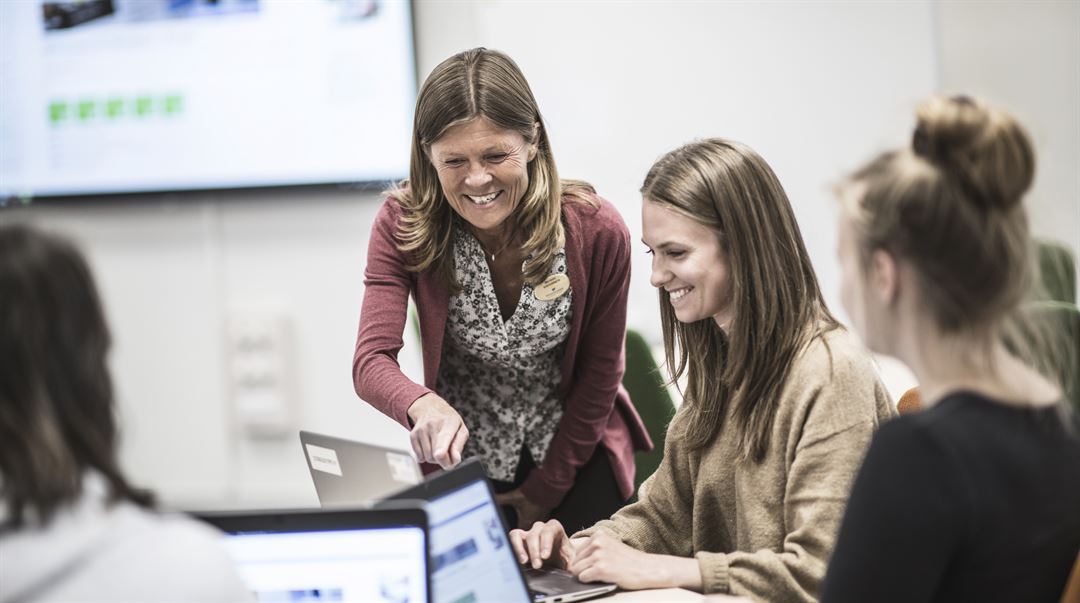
323	459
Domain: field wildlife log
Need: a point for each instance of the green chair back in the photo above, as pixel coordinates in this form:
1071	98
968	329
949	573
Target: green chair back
645	385
1057	272
1052	337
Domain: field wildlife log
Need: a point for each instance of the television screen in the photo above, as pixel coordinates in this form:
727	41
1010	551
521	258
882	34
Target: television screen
111	96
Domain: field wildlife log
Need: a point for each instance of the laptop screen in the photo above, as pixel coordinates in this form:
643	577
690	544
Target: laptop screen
375	564
471	556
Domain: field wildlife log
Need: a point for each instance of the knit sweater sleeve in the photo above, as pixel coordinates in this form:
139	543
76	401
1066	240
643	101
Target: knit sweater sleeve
659	521
377	376
830	430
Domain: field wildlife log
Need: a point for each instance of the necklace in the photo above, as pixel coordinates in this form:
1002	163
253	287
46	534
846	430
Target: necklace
500	250
493	253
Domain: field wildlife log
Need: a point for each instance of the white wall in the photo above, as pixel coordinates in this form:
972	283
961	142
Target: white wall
815	87
1025	56
173	272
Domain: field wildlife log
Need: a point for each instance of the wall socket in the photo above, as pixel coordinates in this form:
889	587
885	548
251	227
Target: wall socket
261	371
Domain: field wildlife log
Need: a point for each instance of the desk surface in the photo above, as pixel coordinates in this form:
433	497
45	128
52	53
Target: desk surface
664	595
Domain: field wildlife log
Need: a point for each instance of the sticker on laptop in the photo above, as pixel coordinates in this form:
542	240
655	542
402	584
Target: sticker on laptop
402	467
323	459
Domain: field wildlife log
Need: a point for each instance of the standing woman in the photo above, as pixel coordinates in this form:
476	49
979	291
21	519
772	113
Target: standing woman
976	498
780	402
520	282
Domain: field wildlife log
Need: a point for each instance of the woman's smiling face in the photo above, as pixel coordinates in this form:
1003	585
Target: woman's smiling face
483	171
688	263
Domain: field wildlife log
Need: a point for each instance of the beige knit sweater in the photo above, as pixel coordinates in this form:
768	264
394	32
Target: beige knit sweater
766	530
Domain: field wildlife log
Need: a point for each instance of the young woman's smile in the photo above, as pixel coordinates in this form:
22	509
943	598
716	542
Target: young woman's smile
688	264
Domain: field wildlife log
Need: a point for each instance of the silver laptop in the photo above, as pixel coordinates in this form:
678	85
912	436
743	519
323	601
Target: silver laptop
471	552
347	472
330	555
471	555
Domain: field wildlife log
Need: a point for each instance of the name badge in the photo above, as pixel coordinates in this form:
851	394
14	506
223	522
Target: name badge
553	287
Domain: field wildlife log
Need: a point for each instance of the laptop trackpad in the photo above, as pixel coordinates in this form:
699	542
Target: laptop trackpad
556	581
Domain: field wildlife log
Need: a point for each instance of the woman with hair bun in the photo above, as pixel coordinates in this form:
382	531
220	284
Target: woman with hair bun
521	282
976	498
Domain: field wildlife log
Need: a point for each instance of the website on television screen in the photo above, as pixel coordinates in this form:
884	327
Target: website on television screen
111	96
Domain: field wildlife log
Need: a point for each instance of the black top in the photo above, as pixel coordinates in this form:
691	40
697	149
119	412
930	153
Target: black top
970	500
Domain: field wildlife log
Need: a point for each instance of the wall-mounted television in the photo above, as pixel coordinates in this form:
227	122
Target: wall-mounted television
122	96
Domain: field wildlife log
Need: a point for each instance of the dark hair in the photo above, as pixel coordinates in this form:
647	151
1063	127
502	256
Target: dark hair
777	306
951	205
56	397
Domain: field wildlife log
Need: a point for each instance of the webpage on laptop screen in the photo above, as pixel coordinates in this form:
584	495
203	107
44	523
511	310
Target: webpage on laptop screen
471	557
379	565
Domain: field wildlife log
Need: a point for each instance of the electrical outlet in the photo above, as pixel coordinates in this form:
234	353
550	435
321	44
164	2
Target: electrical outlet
262	383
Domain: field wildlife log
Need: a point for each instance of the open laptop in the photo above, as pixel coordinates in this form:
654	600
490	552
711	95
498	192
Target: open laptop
331	555
347	472
472	553
472	560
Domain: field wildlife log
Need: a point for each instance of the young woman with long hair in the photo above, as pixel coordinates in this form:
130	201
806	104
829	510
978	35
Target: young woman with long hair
779	407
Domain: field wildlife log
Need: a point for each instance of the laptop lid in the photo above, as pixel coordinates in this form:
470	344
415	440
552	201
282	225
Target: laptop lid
336	555
347	472
470	549
471	556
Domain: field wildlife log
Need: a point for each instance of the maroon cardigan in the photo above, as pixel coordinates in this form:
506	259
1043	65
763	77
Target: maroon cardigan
596	408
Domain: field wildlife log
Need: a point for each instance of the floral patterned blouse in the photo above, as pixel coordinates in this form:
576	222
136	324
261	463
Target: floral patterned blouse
502	377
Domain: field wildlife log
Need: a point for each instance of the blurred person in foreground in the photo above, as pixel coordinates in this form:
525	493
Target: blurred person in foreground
977	497
72	528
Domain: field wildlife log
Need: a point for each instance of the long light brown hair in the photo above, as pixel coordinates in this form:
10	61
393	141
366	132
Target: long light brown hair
777	306
472	84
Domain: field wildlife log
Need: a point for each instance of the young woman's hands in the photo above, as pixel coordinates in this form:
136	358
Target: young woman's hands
603	558
544	544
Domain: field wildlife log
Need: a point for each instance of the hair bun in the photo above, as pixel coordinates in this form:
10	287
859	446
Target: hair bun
984	150
947	127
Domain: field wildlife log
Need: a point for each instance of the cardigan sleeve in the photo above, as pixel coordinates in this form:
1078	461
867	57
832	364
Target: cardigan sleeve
591	396
902	501
829	445
377	376
659	521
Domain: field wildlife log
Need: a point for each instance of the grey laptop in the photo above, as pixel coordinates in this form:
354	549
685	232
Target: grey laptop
347	472
330	555
471	555
471	552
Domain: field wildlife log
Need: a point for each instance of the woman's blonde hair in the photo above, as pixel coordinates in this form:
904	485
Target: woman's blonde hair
776	303
950	205
472	84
